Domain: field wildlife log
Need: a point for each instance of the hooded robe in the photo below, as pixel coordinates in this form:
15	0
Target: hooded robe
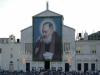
54	47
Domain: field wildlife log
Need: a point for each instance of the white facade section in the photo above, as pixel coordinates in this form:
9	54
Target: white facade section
86	56
26	37
68	36
10	54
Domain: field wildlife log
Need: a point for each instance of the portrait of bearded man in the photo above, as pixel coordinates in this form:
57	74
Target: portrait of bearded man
49	42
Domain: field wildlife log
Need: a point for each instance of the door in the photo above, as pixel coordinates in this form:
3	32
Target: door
11	67
93	66
47	64
27	66
79	66
85	67
66	67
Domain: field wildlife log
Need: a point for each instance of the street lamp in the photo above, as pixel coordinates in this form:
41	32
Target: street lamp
24	55
69	55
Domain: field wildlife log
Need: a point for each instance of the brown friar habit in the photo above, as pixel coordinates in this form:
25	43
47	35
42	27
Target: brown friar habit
55	48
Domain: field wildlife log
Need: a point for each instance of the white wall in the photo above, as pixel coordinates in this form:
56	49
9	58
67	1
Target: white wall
6	51
68	35
86	56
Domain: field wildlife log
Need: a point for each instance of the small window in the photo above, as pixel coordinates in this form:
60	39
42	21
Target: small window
95	51
5	41
0	50
79	51
2	40
11	40
11	55
92	51
11	48
76	51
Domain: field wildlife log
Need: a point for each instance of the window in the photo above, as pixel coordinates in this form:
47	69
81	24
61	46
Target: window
11	55
11	48
92	49
12	40
4	40
95	51
78	49
0	50
66	46
28	47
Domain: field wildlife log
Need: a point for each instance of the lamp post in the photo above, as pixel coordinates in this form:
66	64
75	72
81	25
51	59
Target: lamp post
69	55
23	55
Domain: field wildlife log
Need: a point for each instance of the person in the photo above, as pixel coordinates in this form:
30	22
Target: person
50	42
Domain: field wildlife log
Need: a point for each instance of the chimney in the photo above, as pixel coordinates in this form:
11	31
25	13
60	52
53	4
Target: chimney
18	40
80	35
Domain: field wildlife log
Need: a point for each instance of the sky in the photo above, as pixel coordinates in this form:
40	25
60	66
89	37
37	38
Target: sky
82	15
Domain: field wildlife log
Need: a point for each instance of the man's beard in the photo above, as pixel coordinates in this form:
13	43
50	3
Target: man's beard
47	39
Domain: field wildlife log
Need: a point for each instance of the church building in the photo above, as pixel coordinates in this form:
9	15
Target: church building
66	40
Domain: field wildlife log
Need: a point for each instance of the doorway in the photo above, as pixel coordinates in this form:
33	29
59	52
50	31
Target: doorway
47	65
11	67
79	66
66	67
85	67
27	66
93	66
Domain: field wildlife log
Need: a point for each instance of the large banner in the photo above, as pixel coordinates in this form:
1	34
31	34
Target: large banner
47	38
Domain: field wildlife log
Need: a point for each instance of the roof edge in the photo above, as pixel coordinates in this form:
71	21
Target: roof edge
45	11
69	27
25	28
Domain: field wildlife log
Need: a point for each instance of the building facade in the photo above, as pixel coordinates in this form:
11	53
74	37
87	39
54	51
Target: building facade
87	53
87	50
68	40
9	53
